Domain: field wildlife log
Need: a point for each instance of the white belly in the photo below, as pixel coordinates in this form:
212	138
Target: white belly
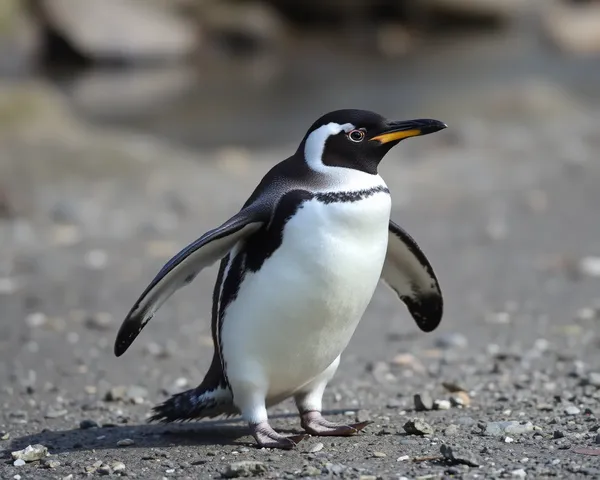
296	315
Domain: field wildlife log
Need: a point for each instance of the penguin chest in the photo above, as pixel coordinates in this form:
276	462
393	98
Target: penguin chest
292	318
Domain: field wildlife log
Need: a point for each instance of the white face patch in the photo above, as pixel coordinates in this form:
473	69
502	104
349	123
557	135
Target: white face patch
339	178
315	144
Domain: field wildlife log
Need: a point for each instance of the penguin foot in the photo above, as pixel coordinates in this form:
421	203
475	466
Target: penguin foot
266	437
314	423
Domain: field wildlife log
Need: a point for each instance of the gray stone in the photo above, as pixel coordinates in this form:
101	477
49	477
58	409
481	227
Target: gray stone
88	423
49	463
245	468
100	321
466	421
572	410
459	455
125	442
147	31
572	28
258	22
55	413
317	447
519	473
31	453
423	401
417	426
117	466
451	340
310	471
104	470
593	378
510	427
451	430
19	462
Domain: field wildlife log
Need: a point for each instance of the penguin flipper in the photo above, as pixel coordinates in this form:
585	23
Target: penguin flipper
183	268
407	271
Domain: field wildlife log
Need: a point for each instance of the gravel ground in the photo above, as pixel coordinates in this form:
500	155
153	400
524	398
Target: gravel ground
506	211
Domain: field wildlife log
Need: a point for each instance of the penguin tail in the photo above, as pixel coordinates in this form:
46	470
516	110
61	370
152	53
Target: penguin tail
195	404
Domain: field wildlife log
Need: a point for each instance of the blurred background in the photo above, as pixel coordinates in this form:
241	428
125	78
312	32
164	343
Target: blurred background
193	71
130	127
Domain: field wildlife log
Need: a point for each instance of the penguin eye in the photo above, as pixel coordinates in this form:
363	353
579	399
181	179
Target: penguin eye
356	135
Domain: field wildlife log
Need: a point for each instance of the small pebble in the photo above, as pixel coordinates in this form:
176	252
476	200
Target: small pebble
423	401
317	447
442	405
104	470
519	473
125	442
31	453
101	321
417	427
55	413
117	466
590	266
19	462
572	410
49	463
593	378
460	399
451	430
96	259
459	456
403	458
245	468
379	455
88	423
451	340
509	440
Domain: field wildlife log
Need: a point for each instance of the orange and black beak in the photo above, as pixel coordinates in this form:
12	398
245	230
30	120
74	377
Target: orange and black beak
396	131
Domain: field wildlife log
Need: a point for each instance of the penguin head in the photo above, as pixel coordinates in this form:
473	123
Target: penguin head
358	139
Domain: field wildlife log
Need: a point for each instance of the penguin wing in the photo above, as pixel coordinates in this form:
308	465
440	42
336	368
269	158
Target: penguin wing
407	271
183	268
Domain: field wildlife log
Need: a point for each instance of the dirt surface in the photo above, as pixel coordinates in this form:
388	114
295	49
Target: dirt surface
507	212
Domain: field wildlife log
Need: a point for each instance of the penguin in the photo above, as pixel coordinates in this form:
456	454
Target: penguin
299	263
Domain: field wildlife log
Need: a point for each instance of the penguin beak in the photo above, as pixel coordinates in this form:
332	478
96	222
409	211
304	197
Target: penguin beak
397	131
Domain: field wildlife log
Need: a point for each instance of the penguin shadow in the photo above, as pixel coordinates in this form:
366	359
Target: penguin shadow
219	432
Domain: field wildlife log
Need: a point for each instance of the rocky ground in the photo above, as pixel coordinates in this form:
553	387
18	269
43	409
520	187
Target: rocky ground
507	387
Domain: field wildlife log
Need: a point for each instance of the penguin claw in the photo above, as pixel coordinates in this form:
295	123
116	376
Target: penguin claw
266	437
314	423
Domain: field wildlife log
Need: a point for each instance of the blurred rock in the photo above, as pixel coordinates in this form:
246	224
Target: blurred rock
131	92
31	453
574	29
6	208
423	401
31	107
20	39
118	30
485	9
242	26
394	40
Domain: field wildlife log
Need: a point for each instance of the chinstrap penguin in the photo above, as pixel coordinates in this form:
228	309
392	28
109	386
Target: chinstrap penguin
299	265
